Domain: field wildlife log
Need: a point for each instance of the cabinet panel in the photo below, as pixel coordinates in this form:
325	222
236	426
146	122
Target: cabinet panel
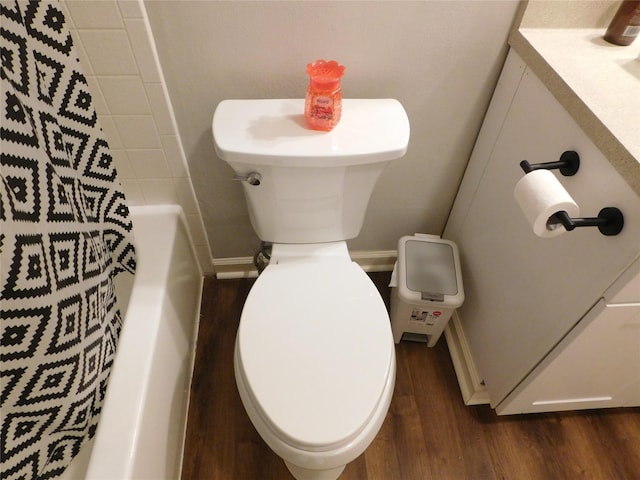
524	293
501	100
596	365
626	289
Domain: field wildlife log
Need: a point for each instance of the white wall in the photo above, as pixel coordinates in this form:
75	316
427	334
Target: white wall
441	59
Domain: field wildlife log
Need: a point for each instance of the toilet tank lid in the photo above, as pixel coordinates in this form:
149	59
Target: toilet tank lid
274	132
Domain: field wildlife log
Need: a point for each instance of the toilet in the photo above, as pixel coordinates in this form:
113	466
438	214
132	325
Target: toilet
314	356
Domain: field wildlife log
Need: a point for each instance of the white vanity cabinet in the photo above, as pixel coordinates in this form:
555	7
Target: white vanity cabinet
596	365
549	323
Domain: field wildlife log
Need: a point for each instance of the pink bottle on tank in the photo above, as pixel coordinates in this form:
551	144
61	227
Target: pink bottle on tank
323	103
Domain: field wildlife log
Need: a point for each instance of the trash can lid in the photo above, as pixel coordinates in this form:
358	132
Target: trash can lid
429	270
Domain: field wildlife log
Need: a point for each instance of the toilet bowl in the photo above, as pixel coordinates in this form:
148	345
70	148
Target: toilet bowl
314	358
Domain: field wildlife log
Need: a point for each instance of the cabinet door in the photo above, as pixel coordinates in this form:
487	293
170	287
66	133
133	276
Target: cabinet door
626	289
525	293
596	365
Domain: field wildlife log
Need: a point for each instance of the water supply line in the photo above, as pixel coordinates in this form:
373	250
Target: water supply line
262	256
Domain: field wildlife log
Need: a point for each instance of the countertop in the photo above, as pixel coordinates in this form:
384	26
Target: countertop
597	82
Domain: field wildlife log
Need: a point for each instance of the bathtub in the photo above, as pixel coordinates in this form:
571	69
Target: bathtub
143	420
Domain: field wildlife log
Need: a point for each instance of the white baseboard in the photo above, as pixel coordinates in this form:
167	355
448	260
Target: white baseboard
242	267
234	267
376	260
471	387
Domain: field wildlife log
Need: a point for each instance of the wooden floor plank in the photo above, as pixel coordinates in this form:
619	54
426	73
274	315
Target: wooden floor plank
428	433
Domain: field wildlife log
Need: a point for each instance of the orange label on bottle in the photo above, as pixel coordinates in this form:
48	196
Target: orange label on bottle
322	107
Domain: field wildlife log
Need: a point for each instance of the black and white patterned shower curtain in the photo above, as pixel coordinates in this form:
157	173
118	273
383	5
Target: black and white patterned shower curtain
64	233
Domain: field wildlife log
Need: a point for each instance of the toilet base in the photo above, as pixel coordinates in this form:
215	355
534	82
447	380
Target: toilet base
307	474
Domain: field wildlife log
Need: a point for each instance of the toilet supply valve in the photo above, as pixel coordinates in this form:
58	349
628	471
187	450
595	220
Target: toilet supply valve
253	178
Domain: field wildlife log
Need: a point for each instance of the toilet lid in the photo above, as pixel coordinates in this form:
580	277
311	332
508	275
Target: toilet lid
315	346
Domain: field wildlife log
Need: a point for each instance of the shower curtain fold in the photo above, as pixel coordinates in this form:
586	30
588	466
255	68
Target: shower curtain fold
65	233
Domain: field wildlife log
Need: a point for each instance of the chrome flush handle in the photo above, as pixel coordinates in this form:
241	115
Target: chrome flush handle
253	178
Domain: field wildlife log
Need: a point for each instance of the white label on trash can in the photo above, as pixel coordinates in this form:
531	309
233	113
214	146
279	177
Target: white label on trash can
424	317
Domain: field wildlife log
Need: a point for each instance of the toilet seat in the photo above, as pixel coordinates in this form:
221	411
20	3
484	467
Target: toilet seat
315	364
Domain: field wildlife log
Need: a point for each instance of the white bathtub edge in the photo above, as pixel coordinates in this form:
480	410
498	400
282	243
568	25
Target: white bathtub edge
125	445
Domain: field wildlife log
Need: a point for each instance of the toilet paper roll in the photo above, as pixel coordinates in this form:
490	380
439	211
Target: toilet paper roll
540	195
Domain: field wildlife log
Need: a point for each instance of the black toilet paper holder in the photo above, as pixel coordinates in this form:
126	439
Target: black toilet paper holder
568	164
609	221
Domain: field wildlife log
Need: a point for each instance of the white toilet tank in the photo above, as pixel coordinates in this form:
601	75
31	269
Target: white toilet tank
302	185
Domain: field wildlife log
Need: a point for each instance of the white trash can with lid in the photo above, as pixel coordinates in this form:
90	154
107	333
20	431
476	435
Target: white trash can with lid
428	288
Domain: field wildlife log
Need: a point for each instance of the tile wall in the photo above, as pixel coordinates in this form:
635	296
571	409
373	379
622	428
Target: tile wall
117	51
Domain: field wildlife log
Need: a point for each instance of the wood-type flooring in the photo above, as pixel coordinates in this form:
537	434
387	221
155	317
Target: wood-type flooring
428	433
